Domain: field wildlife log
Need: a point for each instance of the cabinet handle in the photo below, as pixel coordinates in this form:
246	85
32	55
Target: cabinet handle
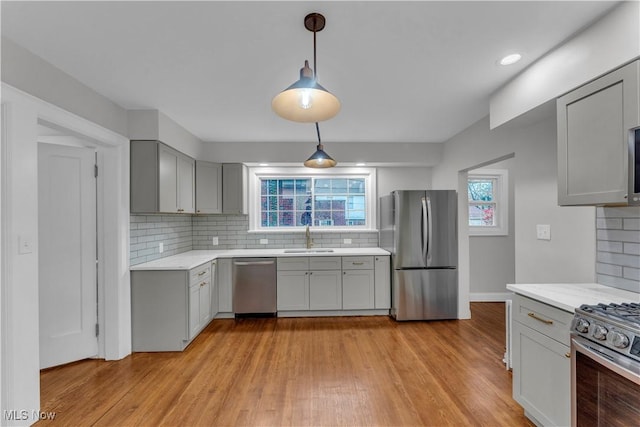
539	319
357	263
202	272
567	355
180	210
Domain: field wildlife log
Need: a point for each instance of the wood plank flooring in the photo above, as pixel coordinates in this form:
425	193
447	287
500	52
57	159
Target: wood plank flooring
349	371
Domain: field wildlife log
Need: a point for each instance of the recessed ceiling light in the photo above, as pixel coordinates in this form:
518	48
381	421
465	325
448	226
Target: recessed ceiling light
510	59
361	164
263	164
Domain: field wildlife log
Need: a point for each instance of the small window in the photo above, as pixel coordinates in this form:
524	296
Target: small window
487	191
289	200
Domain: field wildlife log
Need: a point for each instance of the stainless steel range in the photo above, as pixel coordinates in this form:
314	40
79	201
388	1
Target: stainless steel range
605	365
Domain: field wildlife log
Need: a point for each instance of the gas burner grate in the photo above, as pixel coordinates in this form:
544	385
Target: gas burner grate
628	312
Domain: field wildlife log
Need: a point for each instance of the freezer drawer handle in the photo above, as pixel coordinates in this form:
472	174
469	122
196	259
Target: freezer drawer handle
539	319
253	262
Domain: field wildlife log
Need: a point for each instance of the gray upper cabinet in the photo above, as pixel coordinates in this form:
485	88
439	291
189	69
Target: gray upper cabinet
594	123
162	179
208	187
234	188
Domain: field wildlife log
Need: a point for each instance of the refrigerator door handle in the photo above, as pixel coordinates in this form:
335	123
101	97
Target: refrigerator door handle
426	227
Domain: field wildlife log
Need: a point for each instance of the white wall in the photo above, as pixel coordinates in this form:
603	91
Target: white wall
155	125
569	256
609	43
486	282
403	178
30	73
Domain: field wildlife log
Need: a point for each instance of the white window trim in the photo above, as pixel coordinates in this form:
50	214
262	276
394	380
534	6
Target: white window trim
502	203
256	173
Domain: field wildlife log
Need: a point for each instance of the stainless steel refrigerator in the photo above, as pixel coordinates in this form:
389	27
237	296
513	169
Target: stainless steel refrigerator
419	228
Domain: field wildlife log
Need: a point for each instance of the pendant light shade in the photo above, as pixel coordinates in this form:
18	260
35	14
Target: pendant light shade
306	100
320	159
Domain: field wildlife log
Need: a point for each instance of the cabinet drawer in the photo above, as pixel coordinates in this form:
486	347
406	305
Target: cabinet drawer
201	272
293	264
548	320
324	263
357	263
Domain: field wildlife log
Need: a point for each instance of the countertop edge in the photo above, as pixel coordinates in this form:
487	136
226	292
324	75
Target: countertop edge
192	259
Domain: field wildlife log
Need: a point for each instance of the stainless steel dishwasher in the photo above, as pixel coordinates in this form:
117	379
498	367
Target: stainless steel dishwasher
254	286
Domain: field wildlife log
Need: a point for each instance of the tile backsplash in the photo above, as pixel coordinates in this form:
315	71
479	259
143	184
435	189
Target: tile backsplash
181	233
618	247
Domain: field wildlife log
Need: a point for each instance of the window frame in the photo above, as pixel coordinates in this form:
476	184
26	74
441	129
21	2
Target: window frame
501	201
284	172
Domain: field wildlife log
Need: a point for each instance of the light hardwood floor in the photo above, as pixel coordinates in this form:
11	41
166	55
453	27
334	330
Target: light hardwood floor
350	371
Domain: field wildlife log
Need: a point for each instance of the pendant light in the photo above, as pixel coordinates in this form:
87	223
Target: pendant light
306	100
320	159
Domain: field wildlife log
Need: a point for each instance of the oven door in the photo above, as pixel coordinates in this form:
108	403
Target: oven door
605	386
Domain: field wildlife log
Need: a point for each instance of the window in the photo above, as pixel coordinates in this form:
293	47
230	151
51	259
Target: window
487	191
285	198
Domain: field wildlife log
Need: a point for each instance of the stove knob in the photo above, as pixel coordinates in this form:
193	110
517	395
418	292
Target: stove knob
582	325
619	340
600	332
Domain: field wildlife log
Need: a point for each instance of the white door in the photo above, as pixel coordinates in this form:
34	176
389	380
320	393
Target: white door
67	254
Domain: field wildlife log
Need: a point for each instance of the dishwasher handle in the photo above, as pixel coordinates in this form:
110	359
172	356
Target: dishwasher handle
253	262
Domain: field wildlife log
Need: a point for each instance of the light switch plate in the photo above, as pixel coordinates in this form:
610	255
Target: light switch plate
264	241
543	231
161	247
347	241
214	240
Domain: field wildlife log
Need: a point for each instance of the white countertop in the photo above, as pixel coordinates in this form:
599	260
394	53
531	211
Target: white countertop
192	259
569	296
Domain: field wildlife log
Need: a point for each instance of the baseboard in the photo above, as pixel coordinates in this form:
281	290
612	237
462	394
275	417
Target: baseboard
490	296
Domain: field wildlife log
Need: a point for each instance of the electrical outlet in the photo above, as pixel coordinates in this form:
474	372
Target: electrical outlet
264	241
214	240
543	231
161	247
347	241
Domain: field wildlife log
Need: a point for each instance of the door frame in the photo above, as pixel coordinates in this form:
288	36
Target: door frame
19	356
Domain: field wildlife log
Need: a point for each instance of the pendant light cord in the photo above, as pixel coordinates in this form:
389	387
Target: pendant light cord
315	69
318	132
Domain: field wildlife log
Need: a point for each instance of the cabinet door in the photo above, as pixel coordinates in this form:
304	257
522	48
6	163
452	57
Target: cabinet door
293	290
357	289
168	179
541	376
234	188
382	282
205	302
225	296
214	289
325	290
194	310
186	184
208	187
593	135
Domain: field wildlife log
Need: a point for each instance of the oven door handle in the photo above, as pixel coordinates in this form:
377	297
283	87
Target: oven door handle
617	363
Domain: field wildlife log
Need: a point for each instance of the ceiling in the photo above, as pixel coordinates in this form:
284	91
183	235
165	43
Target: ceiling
418	71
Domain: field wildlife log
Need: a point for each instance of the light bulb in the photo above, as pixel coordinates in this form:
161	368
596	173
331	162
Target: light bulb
320	161
305	99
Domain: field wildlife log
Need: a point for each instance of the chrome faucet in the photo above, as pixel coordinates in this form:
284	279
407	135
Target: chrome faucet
307	235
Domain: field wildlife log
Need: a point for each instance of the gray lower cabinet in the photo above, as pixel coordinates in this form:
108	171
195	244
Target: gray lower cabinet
541	364
358	290
225	288
594	121
382	282
169	307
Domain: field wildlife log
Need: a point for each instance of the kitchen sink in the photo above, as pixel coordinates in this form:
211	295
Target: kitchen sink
307	251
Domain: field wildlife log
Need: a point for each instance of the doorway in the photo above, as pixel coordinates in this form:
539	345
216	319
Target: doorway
67	262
